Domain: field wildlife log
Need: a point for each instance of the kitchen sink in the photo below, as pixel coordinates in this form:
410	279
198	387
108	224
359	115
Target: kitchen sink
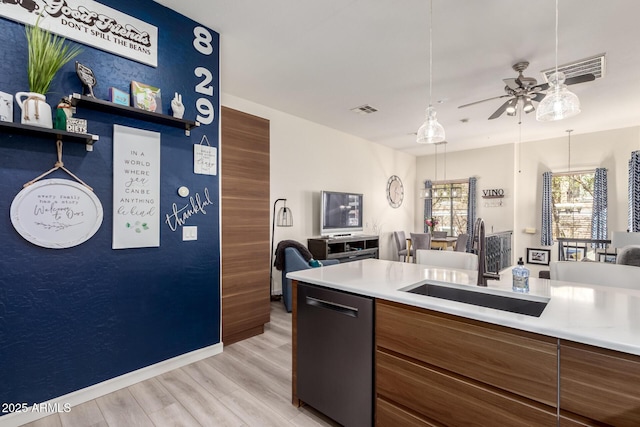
498	302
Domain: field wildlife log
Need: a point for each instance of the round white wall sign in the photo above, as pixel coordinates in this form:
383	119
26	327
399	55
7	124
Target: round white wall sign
56	213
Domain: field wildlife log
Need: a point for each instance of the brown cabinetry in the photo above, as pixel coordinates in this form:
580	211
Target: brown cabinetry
456	371
601	385
344	249
244	186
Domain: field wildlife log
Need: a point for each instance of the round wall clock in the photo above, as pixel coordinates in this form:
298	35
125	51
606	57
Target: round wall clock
395	191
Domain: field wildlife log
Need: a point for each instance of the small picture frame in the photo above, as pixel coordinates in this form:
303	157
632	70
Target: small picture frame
610	258
575	253
119	97
538	256
146	97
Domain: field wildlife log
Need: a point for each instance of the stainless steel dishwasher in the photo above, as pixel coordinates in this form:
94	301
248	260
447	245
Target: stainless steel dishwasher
335	354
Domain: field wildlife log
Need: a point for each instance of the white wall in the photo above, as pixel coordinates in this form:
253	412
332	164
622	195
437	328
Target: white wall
518	169
492	166
307	157
609	149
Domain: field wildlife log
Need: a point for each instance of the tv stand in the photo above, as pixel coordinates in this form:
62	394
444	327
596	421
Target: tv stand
344	249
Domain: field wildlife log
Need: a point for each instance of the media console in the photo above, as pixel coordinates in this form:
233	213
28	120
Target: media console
344	249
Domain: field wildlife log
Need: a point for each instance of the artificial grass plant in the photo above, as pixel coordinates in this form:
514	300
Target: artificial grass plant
47	54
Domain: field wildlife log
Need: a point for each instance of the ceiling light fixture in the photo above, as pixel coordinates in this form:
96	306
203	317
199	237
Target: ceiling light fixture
512	106
431	131
560	103
527	106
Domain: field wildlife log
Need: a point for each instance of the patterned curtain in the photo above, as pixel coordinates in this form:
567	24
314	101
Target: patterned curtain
546	238
472	212
599	211
634	192
428	207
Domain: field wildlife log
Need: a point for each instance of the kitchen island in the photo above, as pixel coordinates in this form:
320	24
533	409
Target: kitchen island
442	361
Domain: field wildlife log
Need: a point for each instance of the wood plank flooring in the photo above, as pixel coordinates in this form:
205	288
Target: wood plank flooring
249	384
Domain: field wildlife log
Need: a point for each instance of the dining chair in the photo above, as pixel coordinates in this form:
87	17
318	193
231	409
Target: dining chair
595	273
401	244
439	234
420	241
461	243
447	259
628	255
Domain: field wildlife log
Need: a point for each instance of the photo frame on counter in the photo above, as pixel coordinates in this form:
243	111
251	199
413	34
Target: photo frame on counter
610	258
538	256
575	253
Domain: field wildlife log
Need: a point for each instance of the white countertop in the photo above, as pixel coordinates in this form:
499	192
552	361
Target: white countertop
602	316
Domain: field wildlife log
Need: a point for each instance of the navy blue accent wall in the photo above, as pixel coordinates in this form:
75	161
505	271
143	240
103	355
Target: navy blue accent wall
71	318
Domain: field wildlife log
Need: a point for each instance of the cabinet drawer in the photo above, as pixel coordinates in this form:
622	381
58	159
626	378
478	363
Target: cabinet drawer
390	415
452	400
516	361
600	384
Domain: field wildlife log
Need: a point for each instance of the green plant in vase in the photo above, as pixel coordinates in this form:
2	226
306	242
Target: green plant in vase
47	54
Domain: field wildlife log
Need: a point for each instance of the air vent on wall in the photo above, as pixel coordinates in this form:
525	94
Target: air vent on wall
594	65
364	109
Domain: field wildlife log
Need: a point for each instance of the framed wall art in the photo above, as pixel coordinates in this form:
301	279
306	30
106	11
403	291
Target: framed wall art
538	256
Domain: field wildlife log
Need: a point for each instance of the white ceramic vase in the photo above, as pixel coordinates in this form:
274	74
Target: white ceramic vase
34	109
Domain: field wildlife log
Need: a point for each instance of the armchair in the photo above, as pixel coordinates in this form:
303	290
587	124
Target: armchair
294	261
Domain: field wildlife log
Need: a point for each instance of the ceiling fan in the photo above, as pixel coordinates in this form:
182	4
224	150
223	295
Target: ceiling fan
524	91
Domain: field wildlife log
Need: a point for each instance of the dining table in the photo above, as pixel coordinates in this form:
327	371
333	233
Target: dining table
437	243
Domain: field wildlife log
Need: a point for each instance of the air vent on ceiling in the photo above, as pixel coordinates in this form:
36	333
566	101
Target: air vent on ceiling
364	109
594	65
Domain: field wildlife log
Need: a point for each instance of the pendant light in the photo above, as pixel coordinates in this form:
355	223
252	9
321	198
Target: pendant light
569	190
559	103
431	131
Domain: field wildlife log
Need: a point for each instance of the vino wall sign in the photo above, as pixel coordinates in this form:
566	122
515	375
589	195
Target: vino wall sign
56	213
90	23
494	193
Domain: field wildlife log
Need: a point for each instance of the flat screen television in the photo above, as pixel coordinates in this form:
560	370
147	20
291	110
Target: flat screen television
341	213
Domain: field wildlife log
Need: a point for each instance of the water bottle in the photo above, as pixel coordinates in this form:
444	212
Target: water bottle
520	277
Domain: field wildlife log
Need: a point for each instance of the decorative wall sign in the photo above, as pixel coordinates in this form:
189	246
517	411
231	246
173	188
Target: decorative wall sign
136	188
56	213
205	158
494	193
91	23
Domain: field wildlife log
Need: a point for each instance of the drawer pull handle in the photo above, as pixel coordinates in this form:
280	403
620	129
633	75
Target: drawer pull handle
342	309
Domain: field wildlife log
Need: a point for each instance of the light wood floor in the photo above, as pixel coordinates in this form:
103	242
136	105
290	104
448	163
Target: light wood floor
249	384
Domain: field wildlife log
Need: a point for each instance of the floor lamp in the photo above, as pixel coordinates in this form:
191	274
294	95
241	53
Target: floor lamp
284	219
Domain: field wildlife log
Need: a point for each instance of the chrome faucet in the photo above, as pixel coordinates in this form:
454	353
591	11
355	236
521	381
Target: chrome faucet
481	251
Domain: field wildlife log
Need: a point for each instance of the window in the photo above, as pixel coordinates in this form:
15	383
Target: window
572	200
449	206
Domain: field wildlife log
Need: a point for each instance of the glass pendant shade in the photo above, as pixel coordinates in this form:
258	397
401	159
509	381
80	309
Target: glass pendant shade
560	103
431	131
425	193
285	217
511	107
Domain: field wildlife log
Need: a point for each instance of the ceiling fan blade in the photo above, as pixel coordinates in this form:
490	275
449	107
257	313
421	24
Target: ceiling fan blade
512	83
488	99
580	79
538	97
570	81
500	110
541	87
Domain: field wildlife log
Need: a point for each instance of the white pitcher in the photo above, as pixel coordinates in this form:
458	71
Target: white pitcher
34	109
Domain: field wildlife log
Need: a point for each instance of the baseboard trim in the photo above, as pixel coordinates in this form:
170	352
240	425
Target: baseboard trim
89	393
